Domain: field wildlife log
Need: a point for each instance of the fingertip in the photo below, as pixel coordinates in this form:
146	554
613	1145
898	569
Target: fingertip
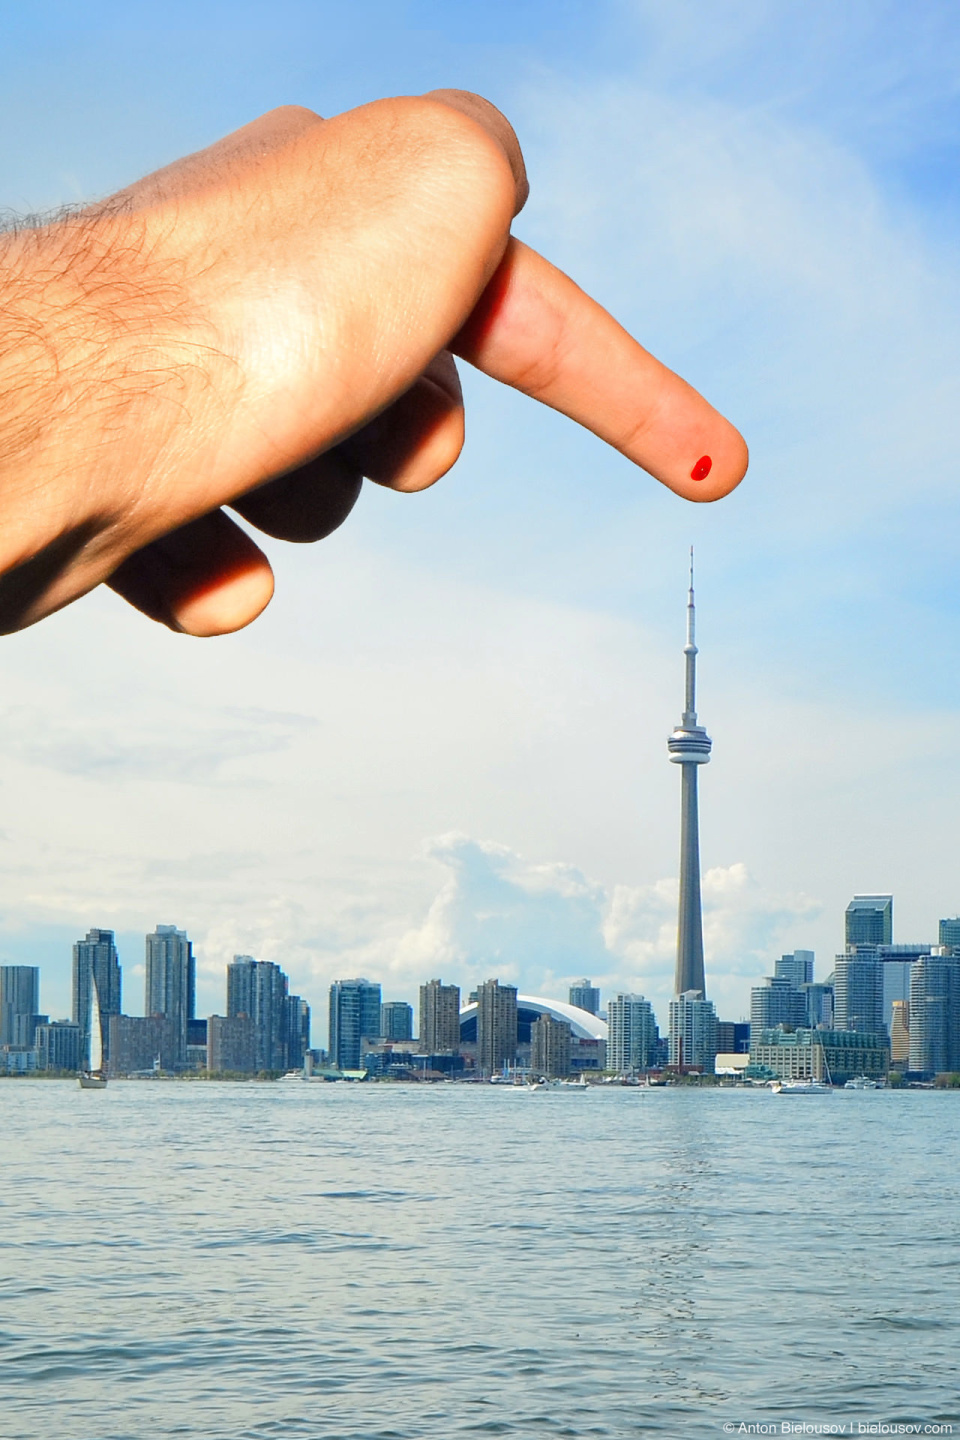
227	605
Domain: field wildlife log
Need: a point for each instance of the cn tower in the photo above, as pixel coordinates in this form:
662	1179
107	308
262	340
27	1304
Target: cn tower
689	747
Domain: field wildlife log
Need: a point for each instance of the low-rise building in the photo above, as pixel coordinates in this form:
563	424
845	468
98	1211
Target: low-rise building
231	1045
828	1055
58	1046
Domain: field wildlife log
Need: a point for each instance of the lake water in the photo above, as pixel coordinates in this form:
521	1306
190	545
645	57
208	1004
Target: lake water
382	1262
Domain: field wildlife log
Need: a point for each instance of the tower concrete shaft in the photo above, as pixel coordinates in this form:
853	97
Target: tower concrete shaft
689	747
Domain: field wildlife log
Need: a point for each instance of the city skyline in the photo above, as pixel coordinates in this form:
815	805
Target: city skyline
496	658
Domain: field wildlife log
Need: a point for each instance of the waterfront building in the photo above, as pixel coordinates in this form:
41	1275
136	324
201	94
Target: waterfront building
354	1015
950	933
170	983
935	1013
834	1055
95	959
259	988
18	1059
797	968
550	1047
58	1045
396	1020
858	991
631	1034
776	1001
586	996
693	1032
19	1004
900	1033
496	1026
868	921
140	1044
689	747
231	1045
439	1018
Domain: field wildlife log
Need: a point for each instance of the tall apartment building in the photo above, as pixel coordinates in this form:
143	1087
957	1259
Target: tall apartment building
858	991
868	921
496	1026
19	1004
354	1017
439	1018
396	1020
818	998
298	1031
170	986
586	996
797	968
693	1032
95	959
935	1014
776	1001
259	988
550	1044
631	1034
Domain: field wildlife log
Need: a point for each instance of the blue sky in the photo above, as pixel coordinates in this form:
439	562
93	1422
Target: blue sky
442	748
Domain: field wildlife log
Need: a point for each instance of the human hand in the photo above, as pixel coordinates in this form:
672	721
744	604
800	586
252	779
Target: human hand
262	324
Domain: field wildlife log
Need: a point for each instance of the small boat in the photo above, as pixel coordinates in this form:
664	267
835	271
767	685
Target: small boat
94	1077
800	1087
579	1084
862	1082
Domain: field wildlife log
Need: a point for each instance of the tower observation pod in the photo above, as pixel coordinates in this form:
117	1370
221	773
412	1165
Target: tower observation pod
689	747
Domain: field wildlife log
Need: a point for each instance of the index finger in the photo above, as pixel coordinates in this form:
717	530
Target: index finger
537	331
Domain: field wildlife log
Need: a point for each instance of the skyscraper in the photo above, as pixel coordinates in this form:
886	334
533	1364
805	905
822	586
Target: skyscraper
259	988
95	957
396	1020
170	986
868	921
775	1001
19	1003
631	1033
586	996
858	991
693	1032
354	1016
950	933
439	1018
689	747
496	1026
935	1014
797	968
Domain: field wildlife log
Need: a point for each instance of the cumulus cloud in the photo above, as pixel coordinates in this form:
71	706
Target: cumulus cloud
541	924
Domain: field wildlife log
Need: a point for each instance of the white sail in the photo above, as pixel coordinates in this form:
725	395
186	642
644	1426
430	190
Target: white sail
96	1030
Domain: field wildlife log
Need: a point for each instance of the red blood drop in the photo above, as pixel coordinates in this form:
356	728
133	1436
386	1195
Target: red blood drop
702	468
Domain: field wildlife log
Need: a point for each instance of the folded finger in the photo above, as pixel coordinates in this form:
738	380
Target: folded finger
416	440
536	330
207	578
307	503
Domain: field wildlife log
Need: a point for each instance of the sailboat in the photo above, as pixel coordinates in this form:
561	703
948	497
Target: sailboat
94	1078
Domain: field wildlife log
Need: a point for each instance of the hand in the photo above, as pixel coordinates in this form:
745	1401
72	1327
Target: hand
266	322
